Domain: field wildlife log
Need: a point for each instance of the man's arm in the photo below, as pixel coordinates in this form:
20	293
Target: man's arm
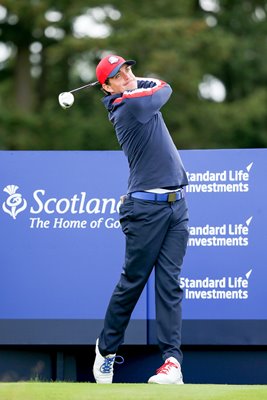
145	101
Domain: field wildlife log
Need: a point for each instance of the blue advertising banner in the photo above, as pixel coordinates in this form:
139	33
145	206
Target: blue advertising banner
225	267
63	249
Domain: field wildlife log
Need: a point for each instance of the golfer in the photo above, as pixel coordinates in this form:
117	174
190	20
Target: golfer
153	217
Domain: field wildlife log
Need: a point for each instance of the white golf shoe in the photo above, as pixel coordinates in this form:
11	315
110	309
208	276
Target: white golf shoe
168	374
103	366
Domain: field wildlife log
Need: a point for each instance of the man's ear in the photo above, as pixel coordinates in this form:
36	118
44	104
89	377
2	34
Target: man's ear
107	88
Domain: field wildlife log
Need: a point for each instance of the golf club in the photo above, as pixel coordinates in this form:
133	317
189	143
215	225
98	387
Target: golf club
66	99
85	86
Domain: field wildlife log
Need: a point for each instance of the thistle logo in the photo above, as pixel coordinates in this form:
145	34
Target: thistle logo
14	203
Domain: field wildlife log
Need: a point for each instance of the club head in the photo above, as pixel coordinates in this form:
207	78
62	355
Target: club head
66	99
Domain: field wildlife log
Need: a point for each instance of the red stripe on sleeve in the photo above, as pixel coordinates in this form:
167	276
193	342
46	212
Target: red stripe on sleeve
141	92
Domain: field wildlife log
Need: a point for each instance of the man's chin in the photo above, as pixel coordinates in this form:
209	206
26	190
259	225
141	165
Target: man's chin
131	86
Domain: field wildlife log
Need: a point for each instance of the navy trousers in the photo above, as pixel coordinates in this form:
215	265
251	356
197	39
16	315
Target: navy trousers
156	237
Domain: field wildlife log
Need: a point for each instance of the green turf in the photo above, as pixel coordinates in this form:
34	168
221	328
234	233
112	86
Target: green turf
92	391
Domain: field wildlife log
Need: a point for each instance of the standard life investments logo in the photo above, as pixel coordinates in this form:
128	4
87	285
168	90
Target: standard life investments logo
62	213
226	181
224	288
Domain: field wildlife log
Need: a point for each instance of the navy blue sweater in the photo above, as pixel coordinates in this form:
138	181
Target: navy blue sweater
153	159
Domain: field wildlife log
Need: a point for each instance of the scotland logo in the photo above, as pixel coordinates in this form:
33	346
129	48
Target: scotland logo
14	203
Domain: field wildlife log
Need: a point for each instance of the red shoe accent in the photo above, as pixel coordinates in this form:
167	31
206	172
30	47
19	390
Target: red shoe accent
164	369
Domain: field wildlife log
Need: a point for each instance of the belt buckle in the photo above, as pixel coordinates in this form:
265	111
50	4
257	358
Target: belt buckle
123	198
171	197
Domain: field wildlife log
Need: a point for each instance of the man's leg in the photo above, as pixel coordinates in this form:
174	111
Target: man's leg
169	297
167	288
145	225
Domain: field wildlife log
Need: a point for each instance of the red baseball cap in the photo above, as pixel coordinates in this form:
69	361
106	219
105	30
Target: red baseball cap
109	66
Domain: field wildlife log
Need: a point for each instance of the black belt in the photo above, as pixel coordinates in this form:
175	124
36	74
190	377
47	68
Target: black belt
169	197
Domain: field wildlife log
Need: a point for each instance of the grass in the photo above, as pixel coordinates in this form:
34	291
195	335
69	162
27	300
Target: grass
92	391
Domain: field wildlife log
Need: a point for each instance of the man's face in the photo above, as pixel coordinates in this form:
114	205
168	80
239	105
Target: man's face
123	80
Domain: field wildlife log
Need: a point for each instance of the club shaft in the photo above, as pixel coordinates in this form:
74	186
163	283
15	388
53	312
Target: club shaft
84	87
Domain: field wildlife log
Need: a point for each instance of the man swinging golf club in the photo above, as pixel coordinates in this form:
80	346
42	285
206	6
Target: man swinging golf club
153	217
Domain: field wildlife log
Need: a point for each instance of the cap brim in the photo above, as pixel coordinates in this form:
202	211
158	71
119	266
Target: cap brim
116	70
